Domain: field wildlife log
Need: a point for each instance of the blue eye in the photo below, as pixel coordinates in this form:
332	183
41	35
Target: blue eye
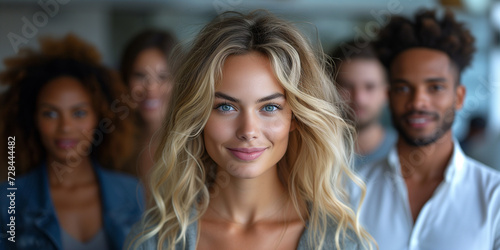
271	108
49	114
225	108
80	113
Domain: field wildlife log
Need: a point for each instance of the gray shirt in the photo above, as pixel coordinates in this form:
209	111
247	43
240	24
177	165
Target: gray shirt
349	242
380	152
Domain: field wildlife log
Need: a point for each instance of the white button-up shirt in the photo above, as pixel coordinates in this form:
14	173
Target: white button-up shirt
463	212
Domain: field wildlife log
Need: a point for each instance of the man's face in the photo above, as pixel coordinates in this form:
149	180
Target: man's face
424	95
363	86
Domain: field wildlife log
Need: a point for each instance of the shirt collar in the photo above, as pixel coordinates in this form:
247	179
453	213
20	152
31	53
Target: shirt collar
456	164
452	172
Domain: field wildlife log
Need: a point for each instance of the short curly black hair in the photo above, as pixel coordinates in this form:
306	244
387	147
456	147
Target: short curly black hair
427	31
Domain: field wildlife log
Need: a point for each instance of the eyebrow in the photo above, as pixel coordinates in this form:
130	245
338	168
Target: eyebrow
263	99
431	79
79	105
435	79
399	80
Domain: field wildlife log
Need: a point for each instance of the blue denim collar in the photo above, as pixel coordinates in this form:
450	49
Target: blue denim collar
41	208
115	214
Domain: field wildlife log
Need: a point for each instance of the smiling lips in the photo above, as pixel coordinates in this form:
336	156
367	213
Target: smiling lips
420	119
66	143
151	104
247	154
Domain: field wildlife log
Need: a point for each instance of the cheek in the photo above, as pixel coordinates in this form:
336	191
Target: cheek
395	102
166	89
277	131
136	87
45	129
396	110
216	131
88	126
378	98
445	102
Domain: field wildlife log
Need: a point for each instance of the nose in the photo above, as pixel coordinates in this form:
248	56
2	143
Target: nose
153	81
248	126
359	96
65	124
419	99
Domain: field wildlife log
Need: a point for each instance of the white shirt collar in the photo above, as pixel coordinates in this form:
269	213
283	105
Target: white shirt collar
453	171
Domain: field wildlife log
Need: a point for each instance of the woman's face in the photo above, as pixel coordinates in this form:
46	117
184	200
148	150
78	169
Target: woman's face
150	85
247	132
65	119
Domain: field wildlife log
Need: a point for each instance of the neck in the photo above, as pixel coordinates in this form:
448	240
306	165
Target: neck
68	174
369	138
425	163
247	201
151	125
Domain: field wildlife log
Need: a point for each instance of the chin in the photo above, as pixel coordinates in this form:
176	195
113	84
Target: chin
244	171
420	141
151	116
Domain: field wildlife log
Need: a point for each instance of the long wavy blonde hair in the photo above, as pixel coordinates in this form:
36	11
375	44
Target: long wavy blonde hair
320	149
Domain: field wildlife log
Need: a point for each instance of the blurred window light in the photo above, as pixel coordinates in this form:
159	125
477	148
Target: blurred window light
495	15
471	6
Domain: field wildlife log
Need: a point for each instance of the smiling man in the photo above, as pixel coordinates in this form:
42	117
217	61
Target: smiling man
427	194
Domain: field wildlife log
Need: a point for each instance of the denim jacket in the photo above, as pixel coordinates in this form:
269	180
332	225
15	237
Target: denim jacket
36	222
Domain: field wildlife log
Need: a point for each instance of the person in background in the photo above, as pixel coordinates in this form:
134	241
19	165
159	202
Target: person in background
481	144
68	142
362	82
428	194
253	153
476	135
493	148
146	70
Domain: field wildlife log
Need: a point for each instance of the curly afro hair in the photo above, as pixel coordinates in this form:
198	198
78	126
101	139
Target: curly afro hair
446	35
30	70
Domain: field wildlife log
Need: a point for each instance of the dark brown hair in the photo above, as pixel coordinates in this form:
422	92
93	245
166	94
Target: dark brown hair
162	40
347	51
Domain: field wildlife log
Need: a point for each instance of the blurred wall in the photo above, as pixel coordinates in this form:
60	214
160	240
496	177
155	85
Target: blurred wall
21	24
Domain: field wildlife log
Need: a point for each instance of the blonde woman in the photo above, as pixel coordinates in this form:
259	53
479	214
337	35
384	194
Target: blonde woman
253	154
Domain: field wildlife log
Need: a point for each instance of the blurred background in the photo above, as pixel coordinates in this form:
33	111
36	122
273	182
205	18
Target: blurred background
109	24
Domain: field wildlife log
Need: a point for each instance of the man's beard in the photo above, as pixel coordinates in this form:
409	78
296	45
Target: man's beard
360	126
444	126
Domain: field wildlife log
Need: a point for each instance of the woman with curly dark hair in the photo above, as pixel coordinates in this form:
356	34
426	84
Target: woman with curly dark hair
61	109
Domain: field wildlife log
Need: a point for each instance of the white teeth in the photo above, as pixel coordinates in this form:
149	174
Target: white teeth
153	103
418	121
